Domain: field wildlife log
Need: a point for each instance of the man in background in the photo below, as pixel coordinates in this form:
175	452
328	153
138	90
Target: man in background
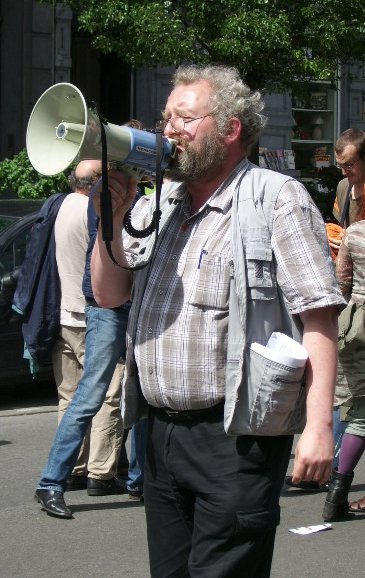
83	364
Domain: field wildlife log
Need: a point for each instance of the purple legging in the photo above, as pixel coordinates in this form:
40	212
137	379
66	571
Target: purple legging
352	448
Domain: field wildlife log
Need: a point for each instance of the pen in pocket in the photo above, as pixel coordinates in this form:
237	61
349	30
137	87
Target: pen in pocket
203	252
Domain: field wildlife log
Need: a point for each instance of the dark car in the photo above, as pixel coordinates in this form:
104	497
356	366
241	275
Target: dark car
16	220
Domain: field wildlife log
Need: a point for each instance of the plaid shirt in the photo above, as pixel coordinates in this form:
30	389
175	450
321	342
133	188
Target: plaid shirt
181	340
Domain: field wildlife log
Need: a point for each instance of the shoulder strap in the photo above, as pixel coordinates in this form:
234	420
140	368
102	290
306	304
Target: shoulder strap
344	220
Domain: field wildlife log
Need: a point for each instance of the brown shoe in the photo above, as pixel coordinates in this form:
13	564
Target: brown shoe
358	506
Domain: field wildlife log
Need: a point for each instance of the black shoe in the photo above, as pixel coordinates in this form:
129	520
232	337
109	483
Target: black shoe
307	486
136	495
105	487
75	483
336	506
52	501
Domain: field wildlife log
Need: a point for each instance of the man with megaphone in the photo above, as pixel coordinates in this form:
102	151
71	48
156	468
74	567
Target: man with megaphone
242	253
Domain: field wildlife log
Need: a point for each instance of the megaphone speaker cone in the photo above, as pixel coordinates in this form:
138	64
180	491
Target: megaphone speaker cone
56	128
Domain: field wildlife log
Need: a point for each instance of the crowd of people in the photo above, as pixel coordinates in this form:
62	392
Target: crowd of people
347	243
242	253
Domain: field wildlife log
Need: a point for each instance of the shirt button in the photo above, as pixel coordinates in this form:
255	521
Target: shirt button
150	330
174	257
160	292
150	370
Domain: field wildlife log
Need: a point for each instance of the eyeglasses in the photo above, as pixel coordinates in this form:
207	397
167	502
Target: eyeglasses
347	166
177	122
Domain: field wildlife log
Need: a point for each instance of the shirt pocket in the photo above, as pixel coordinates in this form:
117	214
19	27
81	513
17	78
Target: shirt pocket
211	286
261	279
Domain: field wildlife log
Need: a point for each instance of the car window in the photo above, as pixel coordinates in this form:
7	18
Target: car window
5	221
14	254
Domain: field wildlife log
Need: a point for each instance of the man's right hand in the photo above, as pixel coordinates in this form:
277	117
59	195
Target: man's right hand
123	190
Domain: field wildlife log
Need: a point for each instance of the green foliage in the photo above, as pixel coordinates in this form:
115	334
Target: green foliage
18	176
272	43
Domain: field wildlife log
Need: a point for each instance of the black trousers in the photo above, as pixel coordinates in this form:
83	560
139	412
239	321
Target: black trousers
212	501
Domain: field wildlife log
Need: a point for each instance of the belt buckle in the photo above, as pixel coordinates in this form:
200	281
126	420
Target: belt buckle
172	412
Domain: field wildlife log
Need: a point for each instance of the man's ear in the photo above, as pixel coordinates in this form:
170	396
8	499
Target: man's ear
234	129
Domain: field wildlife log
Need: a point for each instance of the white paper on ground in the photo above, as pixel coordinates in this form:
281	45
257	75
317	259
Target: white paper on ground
311	529
282	349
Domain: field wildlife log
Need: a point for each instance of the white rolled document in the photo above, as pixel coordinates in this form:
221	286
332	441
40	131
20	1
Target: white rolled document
282	349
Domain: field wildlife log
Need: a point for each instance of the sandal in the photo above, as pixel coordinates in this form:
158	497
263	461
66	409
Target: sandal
357	506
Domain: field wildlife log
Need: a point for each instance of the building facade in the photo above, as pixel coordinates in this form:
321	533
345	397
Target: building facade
40	46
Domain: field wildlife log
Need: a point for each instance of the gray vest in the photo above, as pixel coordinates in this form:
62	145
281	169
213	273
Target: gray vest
262	397
256	309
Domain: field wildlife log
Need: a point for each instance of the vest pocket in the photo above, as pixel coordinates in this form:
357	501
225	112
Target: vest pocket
276	396
261	280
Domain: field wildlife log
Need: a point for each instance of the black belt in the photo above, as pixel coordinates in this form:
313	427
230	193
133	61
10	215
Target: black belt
189	414
90	301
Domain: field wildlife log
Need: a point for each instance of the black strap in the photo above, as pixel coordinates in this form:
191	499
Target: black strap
344	220
106	210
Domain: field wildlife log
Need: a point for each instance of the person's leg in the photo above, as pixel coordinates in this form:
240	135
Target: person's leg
137	458
352	448
123	462
211	500
86	402
67	368
168	534
356	429
107	432
68	363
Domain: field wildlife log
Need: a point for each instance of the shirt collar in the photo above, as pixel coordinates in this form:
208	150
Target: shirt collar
221	199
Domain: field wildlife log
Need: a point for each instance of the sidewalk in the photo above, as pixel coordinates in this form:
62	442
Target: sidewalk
335	553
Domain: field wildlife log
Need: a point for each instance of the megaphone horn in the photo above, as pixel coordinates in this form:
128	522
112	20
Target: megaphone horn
62	128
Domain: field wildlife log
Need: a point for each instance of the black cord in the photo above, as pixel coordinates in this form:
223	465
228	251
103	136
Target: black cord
155	223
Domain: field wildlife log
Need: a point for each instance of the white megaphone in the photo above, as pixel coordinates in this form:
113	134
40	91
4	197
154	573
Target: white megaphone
62	129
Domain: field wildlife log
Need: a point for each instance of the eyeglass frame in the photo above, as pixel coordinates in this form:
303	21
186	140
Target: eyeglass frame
162	124
347	166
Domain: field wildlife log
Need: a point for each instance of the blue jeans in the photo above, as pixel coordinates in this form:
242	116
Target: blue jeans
104	346
137	456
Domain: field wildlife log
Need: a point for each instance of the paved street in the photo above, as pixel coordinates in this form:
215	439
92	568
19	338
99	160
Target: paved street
107	535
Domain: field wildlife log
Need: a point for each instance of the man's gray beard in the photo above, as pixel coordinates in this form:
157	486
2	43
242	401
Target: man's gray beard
191	164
